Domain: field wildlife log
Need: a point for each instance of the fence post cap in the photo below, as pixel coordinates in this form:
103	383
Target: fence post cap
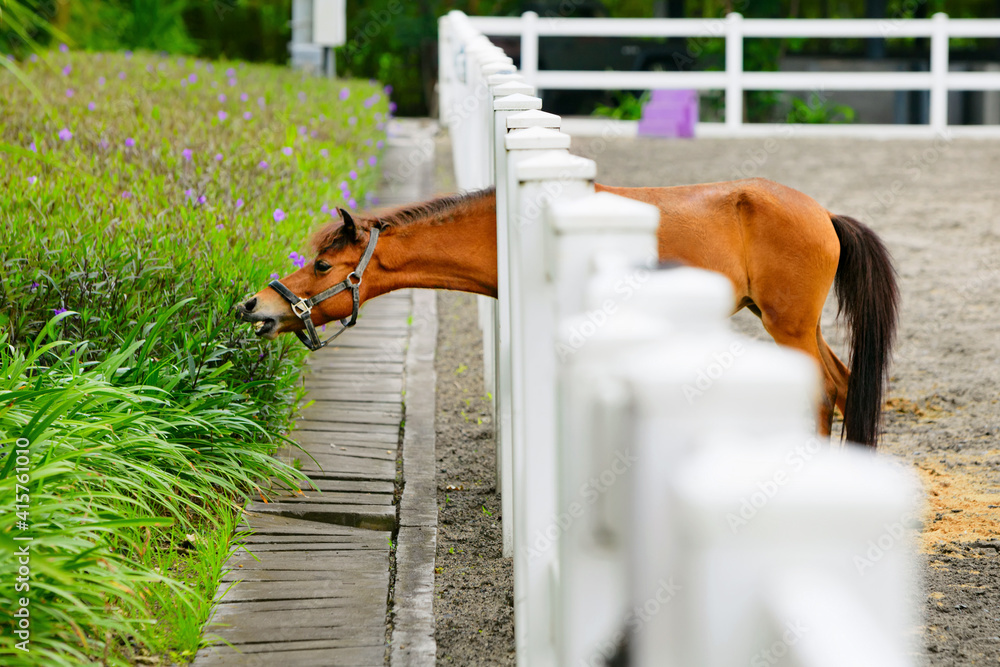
533	118
498	67
517	102
536	137
556	166
502	85
504	77
603	212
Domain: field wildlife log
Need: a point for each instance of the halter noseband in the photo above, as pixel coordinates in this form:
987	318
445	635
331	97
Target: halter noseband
303	307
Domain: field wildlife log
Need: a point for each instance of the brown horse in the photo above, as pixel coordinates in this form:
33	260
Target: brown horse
781	250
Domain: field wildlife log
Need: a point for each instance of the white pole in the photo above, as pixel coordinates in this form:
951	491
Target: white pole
734	71
542	179
506	107
939	73
529	46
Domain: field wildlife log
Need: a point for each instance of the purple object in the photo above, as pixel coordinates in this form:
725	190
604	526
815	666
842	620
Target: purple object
670	113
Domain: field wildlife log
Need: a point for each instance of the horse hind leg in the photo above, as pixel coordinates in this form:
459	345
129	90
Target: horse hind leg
834	369
806	338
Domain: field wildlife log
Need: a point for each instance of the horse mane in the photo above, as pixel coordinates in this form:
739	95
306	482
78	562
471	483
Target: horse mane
329	237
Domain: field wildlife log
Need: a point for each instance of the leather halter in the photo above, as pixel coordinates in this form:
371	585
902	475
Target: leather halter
303	307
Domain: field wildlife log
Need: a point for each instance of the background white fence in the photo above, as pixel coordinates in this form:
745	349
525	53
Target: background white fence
939	80
662	485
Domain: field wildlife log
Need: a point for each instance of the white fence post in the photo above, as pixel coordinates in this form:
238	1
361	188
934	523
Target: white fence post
593	586
786	550
734	71
939	73
503	396
542	178
529	46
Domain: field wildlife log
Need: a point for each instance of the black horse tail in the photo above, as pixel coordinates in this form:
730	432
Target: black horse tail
869	299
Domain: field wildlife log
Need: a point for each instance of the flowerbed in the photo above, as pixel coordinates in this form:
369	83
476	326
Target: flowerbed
138	204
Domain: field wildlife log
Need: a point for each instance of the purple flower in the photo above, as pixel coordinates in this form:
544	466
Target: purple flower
247	115
222	97
193	78
352	120
126	194
302	129
128	55
369	142
232	81
361	162
388	90
314	134
353	174
261	103
370	102
297	259
239	203
65	134
218	157
33	287
66	70
351	203
380	144
344	94
189	193
186	153
32	147
70	92
372	161
263	164
92	106
274	276
32	180
33	58
63	48
244	97
202	199
101	81
346	193
59	311
130	142
392	107
230	72
220	226
223	116
287	150
279	215
121	75
324	152
325	208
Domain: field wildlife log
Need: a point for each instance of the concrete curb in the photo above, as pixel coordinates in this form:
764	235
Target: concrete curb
413	641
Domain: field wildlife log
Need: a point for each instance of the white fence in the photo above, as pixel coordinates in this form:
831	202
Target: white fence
662	486
735	81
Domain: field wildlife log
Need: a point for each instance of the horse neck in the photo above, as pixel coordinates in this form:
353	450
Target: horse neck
453	249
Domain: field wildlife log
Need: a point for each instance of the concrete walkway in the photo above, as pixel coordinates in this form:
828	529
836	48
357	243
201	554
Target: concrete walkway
341	572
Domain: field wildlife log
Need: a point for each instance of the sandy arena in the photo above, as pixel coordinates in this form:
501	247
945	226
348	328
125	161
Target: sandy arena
937	206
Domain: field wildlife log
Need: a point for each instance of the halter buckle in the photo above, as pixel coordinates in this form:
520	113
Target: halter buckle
301	309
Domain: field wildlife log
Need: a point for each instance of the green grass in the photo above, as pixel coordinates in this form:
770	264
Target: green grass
151	414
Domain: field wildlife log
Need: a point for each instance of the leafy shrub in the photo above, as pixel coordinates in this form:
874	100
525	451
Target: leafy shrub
146	199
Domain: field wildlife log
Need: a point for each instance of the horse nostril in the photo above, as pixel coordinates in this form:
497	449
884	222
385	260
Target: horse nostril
250	305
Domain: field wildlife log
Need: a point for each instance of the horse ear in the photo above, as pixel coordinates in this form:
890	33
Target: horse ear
350	228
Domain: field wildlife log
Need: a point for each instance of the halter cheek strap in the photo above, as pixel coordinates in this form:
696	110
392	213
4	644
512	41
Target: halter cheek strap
303	307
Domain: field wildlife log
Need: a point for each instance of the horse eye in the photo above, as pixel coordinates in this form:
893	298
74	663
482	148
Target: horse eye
321	266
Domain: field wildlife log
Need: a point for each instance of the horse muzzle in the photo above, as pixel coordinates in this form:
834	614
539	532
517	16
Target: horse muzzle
264	325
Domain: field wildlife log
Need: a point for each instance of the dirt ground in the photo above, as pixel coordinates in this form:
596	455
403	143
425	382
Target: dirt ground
937	206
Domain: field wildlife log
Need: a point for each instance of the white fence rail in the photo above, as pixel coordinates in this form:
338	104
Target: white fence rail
939	80
662	486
